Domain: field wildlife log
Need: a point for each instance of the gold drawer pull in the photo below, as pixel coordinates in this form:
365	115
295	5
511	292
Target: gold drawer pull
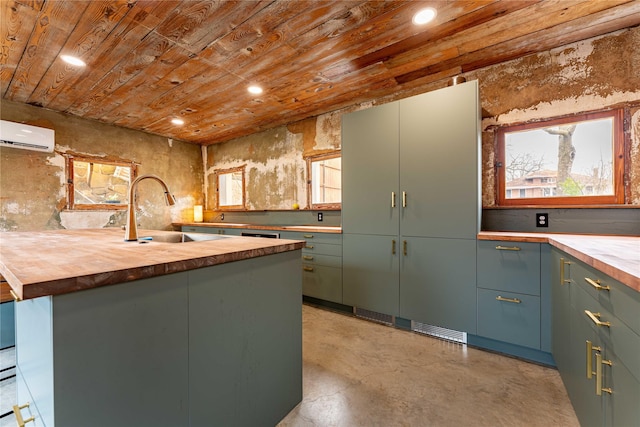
14	295
513	300
309	246
308	236
507	248
404	247
393	247
599	363
591	348
596	284
16	411
562	264
393	199
404	199
595	318
307	268
307	257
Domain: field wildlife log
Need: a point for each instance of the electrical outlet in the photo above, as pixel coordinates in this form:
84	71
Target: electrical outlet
320	216
542	220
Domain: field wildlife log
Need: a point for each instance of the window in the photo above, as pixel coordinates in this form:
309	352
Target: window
567	161
98	184
325	183
230	188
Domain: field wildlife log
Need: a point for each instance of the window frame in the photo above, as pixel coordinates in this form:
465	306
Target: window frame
310	160
217	173
617	171
71	199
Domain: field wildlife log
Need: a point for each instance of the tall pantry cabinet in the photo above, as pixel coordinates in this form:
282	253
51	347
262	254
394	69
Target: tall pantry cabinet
411	207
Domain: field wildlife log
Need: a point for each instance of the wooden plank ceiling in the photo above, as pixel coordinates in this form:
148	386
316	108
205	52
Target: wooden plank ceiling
149	60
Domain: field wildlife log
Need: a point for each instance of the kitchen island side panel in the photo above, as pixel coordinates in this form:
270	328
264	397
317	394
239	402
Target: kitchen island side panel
121	354
245	341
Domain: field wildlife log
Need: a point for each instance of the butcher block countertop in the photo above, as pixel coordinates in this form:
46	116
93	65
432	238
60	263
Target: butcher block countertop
303	228
61	261
617	256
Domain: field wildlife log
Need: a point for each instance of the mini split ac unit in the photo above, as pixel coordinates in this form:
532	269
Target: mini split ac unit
18	135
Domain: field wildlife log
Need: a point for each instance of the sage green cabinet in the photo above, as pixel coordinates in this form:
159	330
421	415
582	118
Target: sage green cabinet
370	272
509	306
410	180
321	264
596	342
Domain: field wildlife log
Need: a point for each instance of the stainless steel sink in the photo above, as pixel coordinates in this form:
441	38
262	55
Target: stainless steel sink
179	237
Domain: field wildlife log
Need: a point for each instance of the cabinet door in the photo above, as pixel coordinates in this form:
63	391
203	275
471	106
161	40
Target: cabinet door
561	311
370	272
370	170
621	407
439	156
582	390
320	281
438	283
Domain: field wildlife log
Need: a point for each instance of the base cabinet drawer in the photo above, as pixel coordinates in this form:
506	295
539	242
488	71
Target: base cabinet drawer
319	281
509	266
509	317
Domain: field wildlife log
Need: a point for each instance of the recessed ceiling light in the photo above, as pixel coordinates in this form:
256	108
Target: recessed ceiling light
178	122
256	90
73	60
424	16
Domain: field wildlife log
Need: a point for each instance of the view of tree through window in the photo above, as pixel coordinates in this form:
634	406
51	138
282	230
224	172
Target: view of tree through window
562	159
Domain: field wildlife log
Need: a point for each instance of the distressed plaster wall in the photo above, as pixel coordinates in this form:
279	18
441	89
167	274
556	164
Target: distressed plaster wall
276	170
591	75
33	191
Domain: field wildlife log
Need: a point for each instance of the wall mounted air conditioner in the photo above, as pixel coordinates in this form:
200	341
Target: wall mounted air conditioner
18	135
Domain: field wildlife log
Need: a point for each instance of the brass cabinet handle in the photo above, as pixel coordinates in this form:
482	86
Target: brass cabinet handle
507	248
393	199
308	236
404	199
595	318
404	247
393	247
596	284
307	257
562	264
591	348
513	300
599	363
19	420
14	295
309	246
307	268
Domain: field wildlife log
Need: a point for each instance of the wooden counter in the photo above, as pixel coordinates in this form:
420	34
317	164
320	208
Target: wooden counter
303	228
617	256
61	261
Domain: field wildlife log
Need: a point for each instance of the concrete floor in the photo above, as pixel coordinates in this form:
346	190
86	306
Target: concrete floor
359	373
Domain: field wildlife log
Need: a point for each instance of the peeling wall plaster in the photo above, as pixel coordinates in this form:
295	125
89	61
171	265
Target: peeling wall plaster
275	171
589	75
586	76
33	184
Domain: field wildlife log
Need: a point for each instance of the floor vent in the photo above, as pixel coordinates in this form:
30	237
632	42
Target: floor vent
374	316
438	332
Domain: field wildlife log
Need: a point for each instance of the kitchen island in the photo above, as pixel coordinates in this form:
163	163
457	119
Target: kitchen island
165	334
